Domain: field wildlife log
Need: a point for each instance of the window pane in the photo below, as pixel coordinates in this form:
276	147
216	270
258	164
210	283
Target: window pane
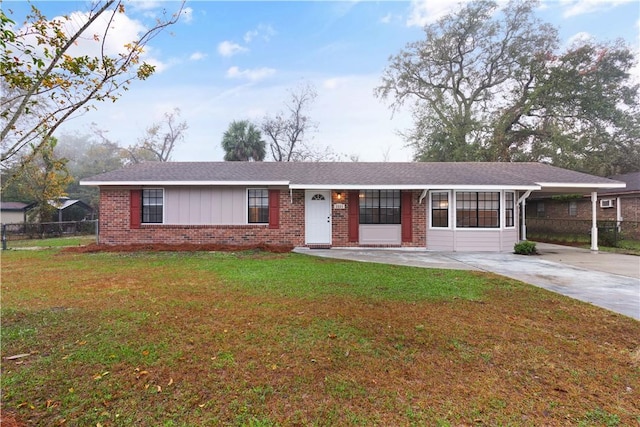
152	204
440	209
258	205
380	207
477	209
509	201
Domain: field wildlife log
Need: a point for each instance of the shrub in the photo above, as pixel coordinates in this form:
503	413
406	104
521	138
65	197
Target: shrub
525	248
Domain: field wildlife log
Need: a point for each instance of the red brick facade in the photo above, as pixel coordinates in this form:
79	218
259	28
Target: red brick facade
558	210
116	227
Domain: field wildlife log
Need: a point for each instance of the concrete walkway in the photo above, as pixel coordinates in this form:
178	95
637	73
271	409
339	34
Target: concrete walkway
608	280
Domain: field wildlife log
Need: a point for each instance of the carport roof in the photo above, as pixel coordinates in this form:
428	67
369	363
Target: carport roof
353	175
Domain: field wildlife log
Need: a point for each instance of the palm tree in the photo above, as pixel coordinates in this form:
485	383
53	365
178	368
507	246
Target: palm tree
243	142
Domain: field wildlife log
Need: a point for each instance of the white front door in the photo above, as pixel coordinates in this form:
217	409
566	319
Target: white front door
317	213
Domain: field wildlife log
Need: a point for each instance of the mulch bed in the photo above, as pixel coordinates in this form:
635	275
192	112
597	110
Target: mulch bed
182	247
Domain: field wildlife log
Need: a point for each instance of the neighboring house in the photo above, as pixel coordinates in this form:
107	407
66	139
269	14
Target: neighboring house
561	213
12	212
437	206
67	210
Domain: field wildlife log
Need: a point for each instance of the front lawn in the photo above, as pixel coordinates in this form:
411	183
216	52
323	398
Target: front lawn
262	339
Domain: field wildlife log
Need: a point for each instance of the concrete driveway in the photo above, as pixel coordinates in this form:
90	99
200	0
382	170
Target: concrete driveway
611	281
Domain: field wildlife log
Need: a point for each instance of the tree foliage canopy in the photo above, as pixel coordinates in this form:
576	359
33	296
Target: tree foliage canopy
46	79
243	142
489	86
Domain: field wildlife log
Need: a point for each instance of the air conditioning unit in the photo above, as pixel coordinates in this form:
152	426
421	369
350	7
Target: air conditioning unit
606	203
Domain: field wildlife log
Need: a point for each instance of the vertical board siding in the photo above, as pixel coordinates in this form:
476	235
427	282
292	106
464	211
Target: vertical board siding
354	215
135	208
205	206
406	220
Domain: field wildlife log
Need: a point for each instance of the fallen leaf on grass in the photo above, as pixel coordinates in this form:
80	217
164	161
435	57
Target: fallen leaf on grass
17	356
170	381
159	389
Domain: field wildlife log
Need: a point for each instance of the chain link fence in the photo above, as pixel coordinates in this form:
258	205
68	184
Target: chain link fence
21	232
610	233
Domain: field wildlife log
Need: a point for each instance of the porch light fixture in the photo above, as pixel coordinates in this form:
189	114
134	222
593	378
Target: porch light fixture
339	195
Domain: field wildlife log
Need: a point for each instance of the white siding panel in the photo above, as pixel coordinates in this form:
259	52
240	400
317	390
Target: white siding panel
439	240
477	240
509	238
380	234
205	206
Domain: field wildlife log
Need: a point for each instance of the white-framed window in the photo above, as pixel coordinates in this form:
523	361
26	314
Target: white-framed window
258	205
509	209
477	209
152	205
573	208
439	209
380	207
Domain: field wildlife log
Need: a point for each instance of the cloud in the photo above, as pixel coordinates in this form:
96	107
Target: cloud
579	38
121	30
581	7
227	48
424	12
187	15
333	83
253	75
386	19
265	32
197	56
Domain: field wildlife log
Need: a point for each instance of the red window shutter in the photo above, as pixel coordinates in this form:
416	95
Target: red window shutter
354	216
135	208
405	208
274	208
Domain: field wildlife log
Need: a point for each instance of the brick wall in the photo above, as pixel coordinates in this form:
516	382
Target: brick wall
555	209
115	228
558	210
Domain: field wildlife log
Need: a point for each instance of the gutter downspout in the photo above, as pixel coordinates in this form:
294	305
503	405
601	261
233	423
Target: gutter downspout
522	201
618	214
422	196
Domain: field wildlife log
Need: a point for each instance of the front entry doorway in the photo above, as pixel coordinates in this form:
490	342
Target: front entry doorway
317	214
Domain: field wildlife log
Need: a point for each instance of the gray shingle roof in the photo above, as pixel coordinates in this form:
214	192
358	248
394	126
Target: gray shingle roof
631	179
12	206
348	174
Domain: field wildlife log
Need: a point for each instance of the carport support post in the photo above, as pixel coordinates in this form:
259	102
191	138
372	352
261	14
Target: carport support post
594	221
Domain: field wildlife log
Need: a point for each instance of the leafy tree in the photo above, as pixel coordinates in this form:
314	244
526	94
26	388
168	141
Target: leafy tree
490	86
159	140
88	155
287	130
243	142
42	179
44	82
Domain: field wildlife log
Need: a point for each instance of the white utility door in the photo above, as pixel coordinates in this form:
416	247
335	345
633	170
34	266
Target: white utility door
317	213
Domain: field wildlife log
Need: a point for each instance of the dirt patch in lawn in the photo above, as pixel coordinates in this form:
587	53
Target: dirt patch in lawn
182	247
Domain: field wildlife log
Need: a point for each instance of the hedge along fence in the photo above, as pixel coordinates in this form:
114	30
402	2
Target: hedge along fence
45	230
609	232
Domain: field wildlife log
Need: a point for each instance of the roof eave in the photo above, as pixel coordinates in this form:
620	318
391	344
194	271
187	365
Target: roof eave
569	185
182	183
410	187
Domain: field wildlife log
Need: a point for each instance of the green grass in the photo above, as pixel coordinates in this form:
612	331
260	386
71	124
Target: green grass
261	339
54	242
